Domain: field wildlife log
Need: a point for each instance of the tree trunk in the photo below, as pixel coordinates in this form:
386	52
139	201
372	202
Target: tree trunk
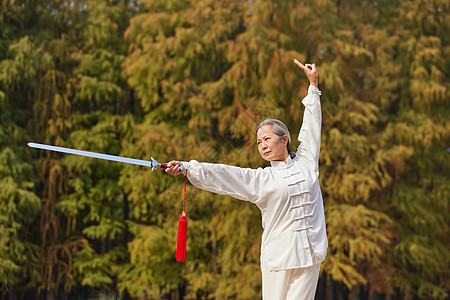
12	294
50	295
329	292
354	294
372	294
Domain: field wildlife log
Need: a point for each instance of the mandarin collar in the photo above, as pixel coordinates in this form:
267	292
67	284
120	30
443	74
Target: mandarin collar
282	164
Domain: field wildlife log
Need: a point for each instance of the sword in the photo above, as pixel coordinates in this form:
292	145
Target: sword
152	163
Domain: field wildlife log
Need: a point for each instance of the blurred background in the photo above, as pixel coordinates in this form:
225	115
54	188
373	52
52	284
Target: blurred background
178	79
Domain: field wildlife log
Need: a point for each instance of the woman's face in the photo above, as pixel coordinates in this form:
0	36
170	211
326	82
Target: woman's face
270	146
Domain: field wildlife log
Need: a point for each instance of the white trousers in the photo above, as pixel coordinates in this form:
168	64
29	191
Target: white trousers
298	284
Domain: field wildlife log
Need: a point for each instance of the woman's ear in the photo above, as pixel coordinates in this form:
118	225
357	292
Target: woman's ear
285	140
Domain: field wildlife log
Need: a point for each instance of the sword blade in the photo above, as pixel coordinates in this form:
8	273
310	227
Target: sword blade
126	160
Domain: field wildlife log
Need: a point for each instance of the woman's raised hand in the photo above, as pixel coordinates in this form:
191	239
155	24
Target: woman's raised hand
310	71
173	168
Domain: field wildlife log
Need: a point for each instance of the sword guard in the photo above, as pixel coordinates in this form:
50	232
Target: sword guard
156	165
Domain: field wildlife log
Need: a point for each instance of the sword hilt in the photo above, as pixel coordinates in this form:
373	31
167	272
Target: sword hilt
156	165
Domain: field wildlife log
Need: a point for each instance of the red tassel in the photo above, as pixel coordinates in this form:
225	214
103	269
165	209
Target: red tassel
182	230
181	242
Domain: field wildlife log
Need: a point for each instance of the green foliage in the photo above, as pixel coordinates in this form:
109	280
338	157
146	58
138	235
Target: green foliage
97	270
19	205
152	270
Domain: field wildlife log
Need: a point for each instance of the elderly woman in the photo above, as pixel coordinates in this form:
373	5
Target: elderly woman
294	242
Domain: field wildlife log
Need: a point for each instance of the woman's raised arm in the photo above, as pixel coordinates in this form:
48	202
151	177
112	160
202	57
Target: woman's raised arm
310	133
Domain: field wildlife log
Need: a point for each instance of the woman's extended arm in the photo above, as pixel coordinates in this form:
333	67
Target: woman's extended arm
241	183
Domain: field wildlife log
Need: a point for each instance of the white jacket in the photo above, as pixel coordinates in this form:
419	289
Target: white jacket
287	193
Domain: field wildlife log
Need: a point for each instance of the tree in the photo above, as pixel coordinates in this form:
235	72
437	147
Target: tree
19	205
420	198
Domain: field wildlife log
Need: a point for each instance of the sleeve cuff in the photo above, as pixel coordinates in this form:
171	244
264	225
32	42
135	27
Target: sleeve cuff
312	90
186	166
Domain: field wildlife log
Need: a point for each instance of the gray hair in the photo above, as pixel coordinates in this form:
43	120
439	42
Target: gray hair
280	130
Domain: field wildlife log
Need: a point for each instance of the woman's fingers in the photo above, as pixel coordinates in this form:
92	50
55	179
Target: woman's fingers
310	72
174	170
300	65
307	68
173	163
173	167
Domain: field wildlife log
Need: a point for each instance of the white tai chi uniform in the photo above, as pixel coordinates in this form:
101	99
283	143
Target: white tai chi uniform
294	242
